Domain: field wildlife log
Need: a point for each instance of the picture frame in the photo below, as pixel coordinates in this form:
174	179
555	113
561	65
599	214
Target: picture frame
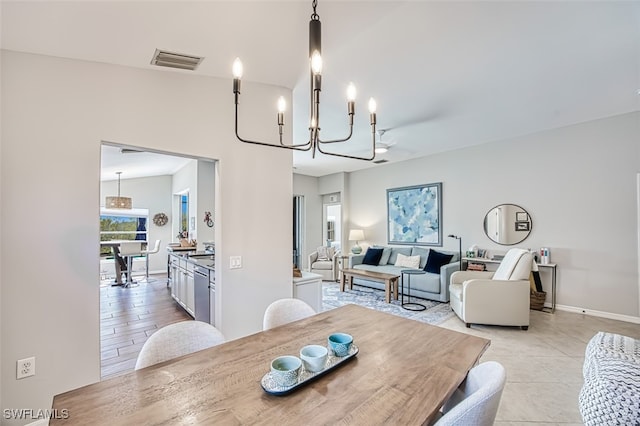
522	226
414	215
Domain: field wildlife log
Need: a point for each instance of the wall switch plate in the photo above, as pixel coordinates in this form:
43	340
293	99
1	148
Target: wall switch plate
235	262
26	367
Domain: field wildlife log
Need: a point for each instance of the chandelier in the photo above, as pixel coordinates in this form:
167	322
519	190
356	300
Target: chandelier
314	143
118	202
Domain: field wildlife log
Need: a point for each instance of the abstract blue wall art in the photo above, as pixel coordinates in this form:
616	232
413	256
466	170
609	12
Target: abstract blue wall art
415	215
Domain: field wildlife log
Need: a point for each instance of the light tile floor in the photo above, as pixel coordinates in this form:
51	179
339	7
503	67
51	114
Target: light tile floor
544	364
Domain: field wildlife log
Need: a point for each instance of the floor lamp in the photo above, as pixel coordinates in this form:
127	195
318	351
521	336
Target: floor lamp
459	247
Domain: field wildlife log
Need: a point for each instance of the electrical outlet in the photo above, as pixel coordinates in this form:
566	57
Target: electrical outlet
26	367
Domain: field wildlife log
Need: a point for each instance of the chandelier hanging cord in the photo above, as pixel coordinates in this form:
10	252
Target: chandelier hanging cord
314	143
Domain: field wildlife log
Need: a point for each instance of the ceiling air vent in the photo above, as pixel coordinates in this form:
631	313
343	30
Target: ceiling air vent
162	58
380	161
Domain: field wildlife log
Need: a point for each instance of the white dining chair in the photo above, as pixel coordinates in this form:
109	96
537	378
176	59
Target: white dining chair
128	250
284	311
476	400
146	253
178	339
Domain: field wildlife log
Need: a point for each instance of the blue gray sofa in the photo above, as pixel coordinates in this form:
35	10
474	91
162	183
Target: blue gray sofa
428	286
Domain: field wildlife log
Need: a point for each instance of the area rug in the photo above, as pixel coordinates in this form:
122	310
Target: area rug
332	297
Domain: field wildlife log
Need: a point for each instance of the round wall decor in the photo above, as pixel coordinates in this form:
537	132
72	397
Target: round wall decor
160	219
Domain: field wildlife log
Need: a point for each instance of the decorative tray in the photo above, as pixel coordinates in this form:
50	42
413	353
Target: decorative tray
270	386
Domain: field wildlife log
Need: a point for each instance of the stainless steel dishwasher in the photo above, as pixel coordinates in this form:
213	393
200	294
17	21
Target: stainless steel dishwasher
201	293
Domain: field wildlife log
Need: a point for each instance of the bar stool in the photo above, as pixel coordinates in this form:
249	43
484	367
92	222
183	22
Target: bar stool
155	249
129	249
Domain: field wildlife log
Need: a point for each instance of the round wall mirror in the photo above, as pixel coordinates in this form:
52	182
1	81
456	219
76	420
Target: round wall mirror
507	224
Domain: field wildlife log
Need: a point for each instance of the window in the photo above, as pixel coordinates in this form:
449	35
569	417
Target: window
122	225
184	215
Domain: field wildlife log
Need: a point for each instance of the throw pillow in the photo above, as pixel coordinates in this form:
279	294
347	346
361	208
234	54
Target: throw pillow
386	254
372	256
437	260
407	261
325	253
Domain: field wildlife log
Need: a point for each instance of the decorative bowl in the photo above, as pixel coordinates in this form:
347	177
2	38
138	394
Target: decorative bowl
285	370
340	343
314	357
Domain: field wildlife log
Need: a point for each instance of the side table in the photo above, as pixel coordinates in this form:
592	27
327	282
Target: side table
410	306
343	263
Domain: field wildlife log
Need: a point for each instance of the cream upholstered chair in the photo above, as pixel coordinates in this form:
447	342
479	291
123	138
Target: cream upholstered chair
324	261
284	311
476	400
178	339
496	298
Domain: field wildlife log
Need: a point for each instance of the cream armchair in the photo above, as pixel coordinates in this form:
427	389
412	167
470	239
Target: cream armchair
495	298
326	265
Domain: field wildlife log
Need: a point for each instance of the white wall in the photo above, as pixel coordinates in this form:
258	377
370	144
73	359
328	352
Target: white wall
153	193
55	112
578	183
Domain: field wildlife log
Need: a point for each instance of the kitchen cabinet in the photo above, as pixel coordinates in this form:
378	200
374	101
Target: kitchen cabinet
309	289
181	269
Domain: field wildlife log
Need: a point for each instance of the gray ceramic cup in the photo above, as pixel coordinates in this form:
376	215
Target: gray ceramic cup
314	358
285	370
340	343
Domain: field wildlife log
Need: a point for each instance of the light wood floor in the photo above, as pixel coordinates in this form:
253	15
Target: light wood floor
128	316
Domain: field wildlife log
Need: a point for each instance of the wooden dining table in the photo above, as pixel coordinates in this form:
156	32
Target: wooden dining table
402	374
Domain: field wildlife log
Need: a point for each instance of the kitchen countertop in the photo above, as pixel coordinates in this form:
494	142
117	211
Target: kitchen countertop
198	258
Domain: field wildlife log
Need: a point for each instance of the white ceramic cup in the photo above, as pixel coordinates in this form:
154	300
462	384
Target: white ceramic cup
285	370
314	357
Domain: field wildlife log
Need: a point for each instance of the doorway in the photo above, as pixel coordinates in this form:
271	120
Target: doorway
172	192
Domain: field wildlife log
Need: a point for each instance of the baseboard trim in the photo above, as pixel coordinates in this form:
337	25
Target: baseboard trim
601	314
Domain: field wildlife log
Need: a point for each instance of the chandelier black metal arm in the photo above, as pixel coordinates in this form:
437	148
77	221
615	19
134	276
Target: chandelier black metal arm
314	143
369	158
300	147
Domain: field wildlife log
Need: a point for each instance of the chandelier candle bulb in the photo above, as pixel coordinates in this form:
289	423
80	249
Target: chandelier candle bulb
237	75
351	92
282	107
351	97
372	111
316	62
237	69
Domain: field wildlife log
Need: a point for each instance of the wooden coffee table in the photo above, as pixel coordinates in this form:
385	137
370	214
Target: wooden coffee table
390	281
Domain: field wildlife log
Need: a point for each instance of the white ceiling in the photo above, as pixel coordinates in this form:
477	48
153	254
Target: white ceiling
445	74
133	164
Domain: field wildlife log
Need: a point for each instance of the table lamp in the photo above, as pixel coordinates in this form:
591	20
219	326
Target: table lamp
459	248
356	235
